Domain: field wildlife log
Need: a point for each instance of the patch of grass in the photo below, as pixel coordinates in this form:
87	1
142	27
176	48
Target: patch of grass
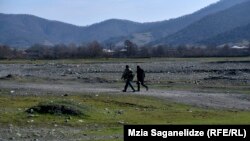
226	89
201	87
118	109
108	112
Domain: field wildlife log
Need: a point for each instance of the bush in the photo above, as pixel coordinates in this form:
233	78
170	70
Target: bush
58	108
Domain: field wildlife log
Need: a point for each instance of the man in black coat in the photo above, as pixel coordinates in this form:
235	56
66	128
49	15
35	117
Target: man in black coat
140	78
128	76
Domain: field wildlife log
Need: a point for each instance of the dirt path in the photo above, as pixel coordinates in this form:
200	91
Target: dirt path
213	100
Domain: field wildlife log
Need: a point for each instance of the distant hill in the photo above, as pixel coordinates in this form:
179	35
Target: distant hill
22	30
236	35
156	30
25	30
108	29
211	26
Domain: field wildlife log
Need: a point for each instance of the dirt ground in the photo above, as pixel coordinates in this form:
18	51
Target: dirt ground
200	99
202	83
207	83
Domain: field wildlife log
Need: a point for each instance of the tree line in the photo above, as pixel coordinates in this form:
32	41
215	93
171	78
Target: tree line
131	50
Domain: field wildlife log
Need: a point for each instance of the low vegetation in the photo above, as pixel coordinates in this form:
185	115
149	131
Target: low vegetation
106	113
58	108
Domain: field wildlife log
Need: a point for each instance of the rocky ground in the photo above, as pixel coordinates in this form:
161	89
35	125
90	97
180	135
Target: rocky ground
111	72
211	84
53	133
178	80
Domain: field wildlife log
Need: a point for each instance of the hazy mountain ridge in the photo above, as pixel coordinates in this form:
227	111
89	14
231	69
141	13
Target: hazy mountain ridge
236	35
110	28
164	28
24	30
173	25
211	26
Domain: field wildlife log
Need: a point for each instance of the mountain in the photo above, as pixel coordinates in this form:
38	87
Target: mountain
236	35
156	30
25	30
22	30
211	25
110	28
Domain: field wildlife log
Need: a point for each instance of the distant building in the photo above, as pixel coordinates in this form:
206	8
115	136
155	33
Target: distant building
108	51
123	50
239	47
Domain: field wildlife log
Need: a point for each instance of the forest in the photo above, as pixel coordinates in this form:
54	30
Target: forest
128	50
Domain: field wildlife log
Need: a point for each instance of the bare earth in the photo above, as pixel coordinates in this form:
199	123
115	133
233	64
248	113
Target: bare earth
219	85
212	100
104	77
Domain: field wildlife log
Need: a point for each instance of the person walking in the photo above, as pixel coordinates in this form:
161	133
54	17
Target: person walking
128	76
140	78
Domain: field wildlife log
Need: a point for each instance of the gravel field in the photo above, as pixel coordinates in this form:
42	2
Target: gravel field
161	75
218	85
156	71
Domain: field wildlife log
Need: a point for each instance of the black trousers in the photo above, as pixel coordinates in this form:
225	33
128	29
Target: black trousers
128	83
142	83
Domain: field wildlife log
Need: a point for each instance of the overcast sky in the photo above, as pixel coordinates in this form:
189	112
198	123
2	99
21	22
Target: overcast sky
86	12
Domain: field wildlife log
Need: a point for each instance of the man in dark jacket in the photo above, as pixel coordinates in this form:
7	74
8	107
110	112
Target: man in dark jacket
128	76
140	78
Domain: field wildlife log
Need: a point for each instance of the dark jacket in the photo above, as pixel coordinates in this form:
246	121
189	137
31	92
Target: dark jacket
140	74
128	74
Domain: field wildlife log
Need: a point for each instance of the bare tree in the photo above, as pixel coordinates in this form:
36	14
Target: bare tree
5	52
132	48
94	49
